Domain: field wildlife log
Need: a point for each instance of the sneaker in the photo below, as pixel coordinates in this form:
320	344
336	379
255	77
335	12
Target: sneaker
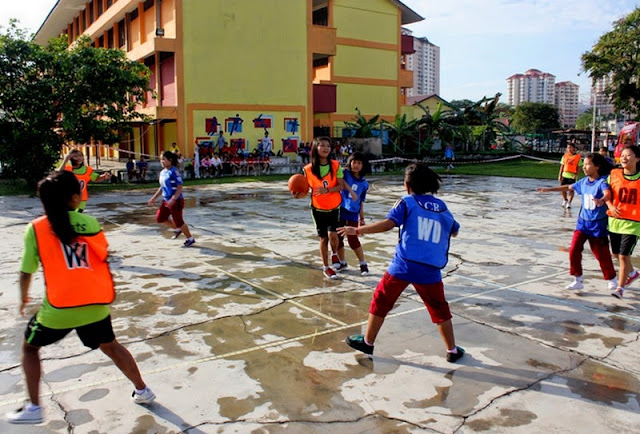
364	270
25	415
612	284
176	233
564	203
357	343
454	357
146	397
330	273
335	260
340	266
618	293
575	285
632	276
190	242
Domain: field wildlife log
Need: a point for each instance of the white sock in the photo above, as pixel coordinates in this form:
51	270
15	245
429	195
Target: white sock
453	351
31	406
365	341
578	278
363	262
141	391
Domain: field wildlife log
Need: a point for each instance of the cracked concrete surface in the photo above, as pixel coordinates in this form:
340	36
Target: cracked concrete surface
242	333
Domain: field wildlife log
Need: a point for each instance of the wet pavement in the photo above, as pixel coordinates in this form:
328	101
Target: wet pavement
241	333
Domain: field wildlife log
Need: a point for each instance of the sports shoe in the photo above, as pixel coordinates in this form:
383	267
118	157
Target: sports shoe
631	277
330	273
176	233
568	205
575	285
145	397
612	284
340	266
335	260
618	293
190	242
564	203
25	415
454	357
357	343
364	270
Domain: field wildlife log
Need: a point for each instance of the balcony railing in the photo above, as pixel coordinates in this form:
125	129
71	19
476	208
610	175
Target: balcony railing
323	40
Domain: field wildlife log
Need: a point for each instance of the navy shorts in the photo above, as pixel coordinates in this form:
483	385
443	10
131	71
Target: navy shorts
91	335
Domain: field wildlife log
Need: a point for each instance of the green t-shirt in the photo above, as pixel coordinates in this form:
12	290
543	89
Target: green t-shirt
48	315
620	226
81	171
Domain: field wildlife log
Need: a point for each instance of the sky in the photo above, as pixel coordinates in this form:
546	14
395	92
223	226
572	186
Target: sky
482	42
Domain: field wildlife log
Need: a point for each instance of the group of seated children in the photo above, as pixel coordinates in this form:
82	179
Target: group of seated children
234	164
136	170
211	166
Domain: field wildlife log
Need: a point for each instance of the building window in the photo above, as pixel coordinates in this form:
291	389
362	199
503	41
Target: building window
148	4
100	7
91	12
121	34
109	3
133	15
321	16
110	38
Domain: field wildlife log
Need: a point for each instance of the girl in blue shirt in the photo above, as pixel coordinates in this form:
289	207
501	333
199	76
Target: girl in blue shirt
352	209
173	202
592	220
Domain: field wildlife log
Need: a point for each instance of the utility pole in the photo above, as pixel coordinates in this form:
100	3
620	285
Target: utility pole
593	122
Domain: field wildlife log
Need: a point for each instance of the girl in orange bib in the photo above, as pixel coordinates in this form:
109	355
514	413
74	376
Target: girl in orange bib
324	175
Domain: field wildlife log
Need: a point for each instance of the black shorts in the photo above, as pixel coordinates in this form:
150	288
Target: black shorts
325	221
91	335
567	181
622	244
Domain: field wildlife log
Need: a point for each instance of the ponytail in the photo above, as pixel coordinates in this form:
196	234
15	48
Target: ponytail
55	192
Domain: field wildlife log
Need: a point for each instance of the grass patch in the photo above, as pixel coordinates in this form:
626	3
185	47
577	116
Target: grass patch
522	168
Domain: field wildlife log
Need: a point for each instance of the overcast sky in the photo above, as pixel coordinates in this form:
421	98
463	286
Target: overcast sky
482	42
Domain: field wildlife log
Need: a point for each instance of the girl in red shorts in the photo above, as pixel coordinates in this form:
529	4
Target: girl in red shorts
173	202
426	226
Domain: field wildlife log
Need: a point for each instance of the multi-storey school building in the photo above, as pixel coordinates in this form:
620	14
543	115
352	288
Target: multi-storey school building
295	68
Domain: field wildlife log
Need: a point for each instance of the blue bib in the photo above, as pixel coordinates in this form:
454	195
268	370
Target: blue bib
426	232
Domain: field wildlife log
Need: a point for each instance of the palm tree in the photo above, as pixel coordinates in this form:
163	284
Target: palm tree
436	125
401	130
484	118
363	127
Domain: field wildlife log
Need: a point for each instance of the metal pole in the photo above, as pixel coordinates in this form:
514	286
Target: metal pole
593	122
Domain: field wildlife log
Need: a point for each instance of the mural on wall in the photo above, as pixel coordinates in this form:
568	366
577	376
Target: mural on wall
234	124
211	125
263	121
291	125
238	144
290	144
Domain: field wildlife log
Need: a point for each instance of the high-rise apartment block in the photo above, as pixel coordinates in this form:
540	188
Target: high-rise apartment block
532	86
566	99
425	64
603	102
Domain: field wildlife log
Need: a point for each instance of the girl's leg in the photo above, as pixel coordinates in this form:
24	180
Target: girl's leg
600	249
575	253
32	371
359	254
333	239
124	361
373	327
324	252
625	269
446	332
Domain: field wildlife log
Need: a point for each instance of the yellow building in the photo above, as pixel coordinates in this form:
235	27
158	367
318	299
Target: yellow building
294	68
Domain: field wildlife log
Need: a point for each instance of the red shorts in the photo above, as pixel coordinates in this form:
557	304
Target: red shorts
390	288
174	211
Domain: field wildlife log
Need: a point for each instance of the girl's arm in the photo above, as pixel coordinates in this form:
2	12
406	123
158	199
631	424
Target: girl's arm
351	192
155	196
325	190
372	228
606	197
175	196
64	162
25	282
105	175
566	187
361	222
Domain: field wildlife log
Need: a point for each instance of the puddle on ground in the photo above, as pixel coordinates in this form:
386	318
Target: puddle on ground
604	384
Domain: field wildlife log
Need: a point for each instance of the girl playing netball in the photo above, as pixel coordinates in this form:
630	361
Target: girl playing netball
79	289
173	202
592	220
324	175
352	209
624	215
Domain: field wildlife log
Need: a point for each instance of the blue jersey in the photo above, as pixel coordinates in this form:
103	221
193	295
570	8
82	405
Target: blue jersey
592	219
349	209
426	226
170	179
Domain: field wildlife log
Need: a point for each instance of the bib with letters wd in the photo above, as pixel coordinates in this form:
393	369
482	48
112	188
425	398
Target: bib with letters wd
426	232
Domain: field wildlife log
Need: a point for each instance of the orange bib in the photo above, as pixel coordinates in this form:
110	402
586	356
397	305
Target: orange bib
327	201
625	195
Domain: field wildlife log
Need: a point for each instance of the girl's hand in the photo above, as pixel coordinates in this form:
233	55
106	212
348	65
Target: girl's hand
361	222
151	202
298	195
542	189
354	196
320	190
615	211
346	230
171	202
23	306
598	202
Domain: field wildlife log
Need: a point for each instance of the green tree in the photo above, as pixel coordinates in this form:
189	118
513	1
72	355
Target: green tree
56	94
484	116
401	130
534	117
362	126
617	55
585	120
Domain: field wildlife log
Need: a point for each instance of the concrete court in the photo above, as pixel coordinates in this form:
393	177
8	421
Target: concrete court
241	333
